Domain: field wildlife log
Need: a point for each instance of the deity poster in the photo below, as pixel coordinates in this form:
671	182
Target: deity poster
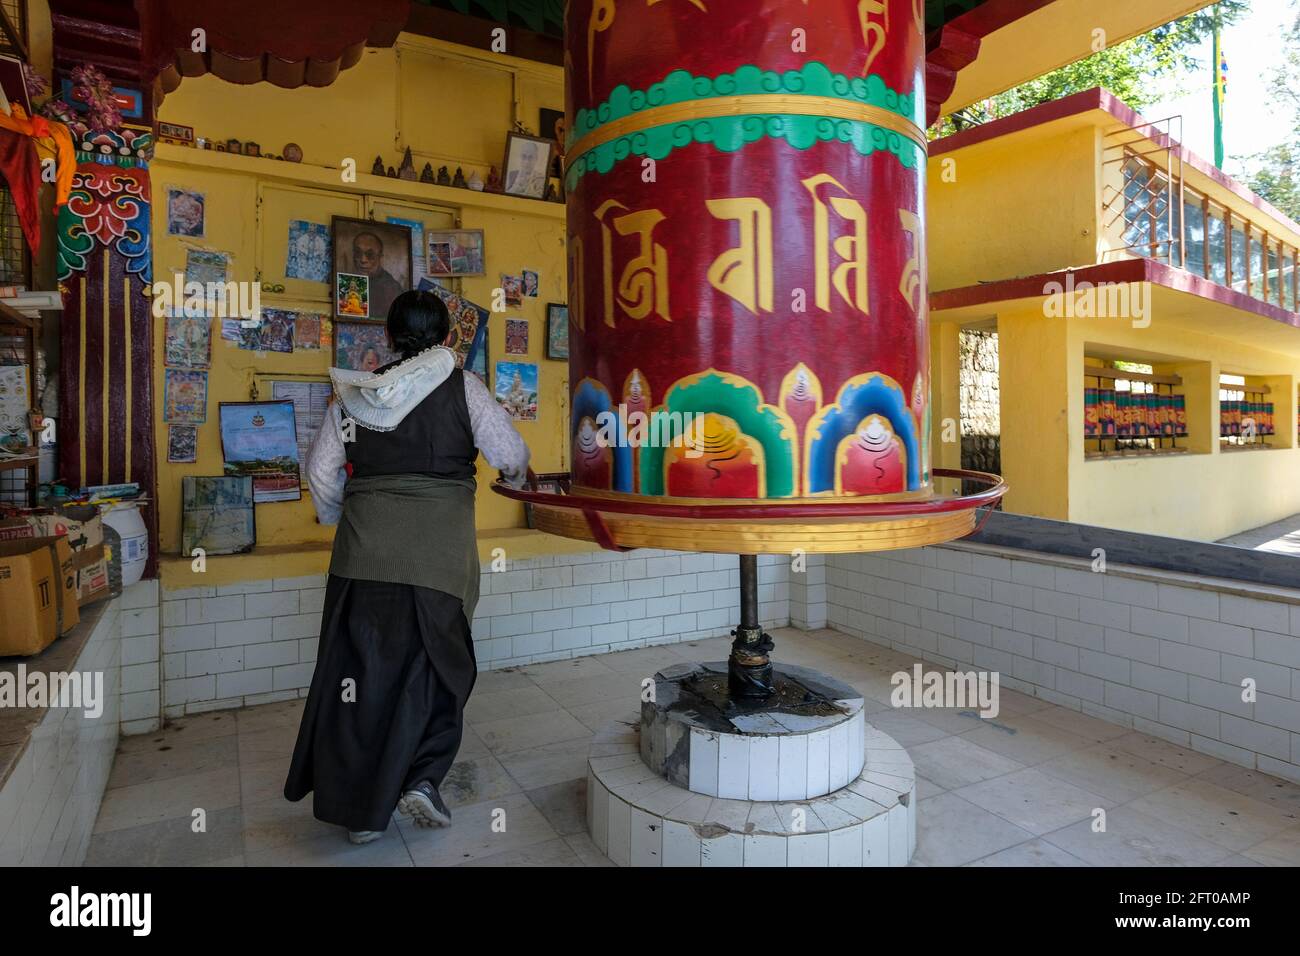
185	396
308	255
188	339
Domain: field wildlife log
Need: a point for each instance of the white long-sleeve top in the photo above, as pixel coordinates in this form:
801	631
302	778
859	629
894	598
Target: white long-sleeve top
494	434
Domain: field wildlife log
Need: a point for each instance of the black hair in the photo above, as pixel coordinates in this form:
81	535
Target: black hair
417	321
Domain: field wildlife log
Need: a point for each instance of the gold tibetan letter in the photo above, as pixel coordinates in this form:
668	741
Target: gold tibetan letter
850	248
909	284
745	272
643	284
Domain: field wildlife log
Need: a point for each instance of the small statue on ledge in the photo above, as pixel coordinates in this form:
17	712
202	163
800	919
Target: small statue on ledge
392	173
378	168
407	170
444	178
426	174
475	182
459	180
493	184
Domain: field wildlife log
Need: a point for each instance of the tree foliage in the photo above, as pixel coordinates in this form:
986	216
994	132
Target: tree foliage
1127	69
1275	173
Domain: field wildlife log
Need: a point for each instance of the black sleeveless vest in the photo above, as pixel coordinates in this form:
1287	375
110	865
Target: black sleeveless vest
434	439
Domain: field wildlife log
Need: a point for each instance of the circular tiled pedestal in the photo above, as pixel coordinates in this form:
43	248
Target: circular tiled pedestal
685	784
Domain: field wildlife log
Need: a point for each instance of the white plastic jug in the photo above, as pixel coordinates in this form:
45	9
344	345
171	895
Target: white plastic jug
127	521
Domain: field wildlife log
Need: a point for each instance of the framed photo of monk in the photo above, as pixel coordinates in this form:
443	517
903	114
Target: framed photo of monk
527	165
372	267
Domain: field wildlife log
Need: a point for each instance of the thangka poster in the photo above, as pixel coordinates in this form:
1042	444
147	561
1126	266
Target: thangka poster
275	333
185	396
185	212
188	340
182	444
469	323
259	439
307	330
308	256
205	266
516	336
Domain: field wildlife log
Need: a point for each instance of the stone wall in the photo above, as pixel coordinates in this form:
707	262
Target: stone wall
981	425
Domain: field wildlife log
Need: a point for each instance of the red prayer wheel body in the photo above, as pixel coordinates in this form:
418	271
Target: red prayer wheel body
747	280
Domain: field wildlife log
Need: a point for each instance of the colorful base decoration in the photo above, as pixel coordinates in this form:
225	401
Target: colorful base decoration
747	280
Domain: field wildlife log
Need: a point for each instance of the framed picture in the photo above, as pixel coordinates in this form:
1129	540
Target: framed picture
176	133
217	515
527	165
557	330
372	266
455	252
13	81
362	346
260	440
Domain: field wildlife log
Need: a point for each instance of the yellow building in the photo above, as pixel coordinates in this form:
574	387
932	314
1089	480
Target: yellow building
1084	236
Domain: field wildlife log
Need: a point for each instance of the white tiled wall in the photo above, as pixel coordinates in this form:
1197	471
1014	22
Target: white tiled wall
49	803
1163	653
253	643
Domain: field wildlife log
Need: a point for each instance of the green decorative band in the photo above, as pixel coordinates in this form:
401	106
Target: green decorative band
682	109
728	134
679	86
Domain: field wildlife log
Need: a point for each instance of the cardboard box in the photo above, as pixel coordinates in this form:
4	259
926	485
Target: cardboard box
83	526
92	574
12	529
81	523
38	594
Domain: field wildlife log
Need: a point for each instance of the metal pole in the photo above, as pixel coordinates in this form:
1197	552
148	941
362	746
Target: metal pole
749	668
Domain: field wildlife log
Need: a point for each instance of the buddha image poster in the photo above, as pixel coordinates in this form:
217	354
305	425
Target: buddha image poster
260	439
516	389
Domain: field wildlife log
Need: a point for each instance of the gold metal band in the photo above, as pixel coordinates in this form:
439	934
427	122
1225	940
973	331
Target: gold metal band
746	105
770	536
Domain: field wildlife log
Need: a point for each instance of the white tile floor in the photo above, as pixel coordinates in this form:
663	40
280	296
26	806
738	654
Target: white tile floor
1021	790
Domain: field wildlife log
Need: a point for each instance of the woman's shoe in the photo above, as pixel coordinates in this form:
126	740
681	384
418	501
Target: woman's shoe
364	836
424	806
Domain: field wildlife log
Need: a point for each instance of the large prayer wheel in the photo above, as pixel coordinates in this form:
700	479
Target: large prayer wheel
747	278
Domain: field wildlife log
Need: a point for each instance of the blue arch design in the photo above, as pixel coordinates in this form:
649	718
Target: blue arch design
591	399
876	396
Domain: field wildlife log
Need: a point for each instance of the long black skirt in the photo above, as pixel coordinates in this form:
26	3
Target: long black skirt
394	669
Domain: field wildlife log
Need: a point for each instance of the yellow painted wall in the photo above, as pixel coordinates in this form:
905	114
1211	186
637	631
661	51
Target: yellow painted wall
1013	206
454	107
1036	387
1205	494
